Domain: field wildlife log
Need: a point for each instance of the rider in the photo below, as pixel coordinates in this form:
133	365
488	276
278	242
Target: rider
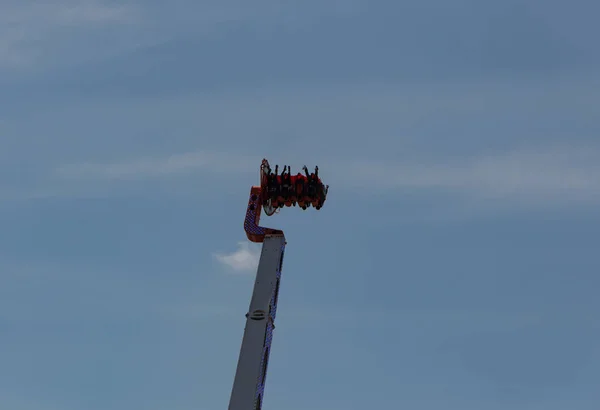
322	195
274	187
286	186
311	191
300	189
278	193
315	191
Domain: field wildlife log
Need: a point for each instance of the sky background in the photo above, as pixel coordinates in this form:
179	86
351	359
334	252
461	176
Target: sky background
454	266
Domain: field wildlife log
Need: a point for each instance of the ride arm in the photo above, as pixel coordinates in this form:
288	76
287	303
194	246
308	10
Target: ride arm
249	383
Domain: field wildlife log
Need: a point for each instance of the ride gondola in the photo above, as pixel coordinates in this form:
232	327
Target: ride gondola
285	189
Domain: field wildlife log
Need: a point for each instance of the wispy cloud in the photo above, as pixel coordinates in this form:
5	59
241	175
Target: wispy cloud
29	30
529	174
561	173
244	260
16	401
150	167
95	12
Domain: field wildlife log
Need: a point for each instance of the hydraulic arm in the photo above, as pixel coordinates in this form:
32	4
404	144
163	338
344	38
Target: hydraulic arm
249	382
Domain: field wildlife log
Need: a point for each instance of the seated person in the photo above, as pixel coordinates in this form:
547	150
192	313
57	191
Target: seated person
287	189
300	188
280	191
273	186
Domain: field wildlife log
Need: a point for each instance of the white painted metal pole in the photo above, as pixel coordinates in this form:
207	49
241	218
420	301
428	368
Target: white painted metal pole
250	376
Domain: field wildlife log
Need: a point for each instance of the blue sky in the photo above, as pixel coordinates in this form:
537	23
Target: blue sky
454	266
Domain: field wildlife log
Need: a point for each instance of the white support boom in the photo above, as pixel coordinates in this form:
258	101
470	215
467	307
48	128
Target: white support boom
249	382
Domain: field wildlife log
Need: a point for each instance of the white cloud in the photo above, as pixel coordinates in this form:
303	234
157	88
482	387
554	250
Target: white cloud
245	259
34	32
18	14
559	173
30	30
555	174
14	401
388	164
155	167
88	12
